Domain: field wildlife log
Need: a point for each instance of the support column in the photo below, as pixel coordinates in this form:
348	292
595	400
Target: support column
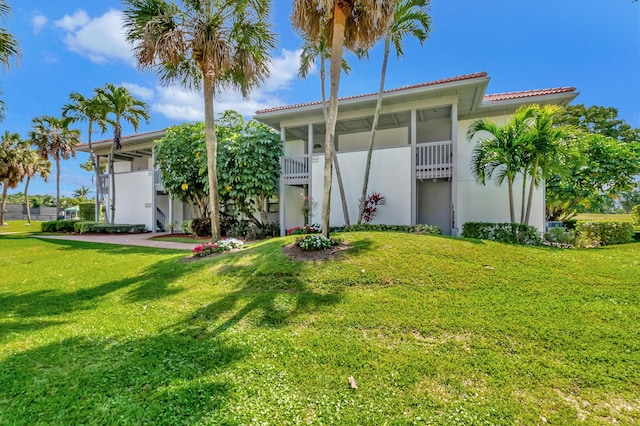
310	180
171	213
454	170
154	193
414	209
281	197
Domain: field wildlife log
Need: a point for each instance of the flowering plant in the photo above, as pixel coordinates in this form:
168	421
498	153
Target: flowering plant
315	242
206	249
307	229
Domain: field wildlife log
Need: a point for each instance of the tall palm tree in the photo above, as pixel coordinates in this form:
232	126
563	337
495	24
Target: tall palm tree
9	46
500	151
34	165
354	24
93	110
410	18
119	105
53	137
308	56
12	151
81	193
208	44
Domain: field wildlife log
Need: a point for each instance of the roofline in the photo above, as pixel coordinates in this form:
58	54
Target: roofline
128	138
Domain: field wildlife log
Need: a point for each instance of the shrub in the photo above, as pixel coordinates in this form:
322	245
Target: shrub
87	211
371	204
307	229
561	237
58	225
201	227
315	242
512	233
186	227
418	229
206	249
83	226
249	230
635	215
604	233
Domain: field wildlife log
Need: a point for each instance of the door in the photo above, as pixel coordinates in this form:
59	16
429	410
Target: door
434	204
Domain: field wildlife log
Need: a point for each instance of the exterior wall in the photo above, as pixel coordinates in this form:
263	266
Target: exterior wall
384	139
433	130
143	163
390	176
293	206
294	147
490	202
121	167
134	198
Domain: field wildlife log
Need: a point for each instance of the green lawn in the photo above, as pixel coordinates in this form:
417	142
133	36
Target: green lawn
604	217
21	227
435	330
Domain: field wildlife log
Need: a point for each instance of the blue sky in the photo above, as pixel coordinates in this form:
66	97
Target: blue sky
76	45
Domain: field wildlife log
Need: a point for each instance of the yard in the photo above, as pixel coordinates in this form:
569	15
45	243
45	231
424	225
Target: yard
434	330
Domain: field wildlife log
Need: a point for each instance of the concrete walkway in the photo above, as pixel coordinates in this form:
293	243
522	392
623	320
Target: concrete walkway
143	240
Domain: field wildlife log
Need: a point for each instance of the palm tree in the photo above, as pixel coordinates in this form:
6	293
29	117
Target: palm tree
308	55
501	151
410	18
12	151
34	165
354	24
9	46
53	137
119	104
93	110
206	43
81	193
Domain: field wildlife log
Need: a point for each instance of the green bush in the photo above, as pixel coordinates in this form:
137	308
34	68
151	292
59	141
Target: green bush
604	233
201	227
186	227
512	233
249	230
87	211
315	242
417	229
58	226
561	237
83	226
635	215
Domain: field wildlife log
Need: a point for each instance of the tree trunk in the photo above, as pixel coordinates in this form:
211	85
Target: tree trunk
212	155
534	174
5	189
57	186
111	214
511	210
343	197
374	127
26	199
335	69
96	171
524	191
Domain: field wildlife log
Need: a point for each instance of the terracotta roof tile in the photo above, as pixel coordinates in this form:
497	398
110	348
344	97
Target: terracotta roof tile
527	94
399	89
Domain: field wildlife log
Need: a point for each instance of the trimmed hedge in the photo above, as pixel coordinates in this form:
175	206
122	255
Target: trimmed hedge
635	215
604	233
65	225
415	229
512	233
87	211
83	227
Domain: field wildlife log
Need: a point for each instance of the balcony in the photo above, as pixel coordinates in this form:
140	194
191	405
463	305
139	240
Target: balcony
295	170
434	160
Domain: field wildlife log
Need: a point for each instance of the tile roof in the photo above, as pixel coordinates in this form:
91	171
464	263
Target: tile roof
124	138
399	89
527	94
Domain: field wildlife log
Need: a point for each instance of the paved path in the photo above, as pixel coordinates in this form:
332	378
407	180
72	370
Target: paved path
143	240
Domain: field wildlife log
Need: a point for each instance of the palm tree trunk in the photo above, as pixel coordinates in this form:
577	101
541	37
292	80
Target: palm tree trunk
374	127
96	171
57	158
511	210
212	155
524	190
335	69
110	216
5	189
534	174
343	197
26	199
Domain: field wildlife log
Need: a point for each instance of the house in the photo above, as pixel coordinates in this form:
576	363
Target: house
421	161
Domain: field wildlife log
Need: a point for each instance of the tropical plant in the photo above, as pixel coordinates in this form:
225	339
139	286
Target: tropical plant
206	43
93	110
12	152
81	193
120	105
410	18
499	150
9	46
354	24
53	138
34	165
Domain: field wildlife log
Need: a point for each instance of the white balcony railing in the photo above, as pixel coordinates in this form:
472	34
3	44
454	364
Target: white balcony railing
434	160
295	169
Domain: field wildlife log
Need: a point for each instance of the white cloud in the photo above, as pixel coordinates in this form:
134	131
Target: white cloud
72	22
37	22
99	39
144	93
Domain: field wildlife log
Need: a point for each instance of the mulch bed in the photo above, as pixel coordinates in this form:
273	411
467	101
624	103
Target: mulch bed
296	253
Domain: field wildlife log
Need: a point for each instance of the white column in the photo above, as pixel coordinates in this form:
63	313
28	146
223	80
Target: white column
310	159
414	194
154	193
171	213
454	170
281	197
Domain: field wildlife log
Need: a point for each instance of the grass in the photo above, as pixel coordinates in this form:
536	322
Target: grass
435	330
21	227
604	217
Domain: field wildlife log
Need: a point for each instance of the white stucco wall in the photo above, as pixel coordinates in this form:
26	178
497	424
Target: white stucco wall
121	166
293	207
390	176
133	198
384	138
490	202
294	147
433	130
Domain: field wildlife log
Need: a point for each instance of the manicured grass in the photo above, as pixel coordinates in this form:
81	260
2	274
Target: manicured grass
187	240
21	226
435	330
604	217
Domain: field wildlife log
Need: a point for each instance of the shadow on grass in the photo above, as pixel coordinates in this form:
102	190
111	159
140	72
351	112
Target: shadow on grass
107	248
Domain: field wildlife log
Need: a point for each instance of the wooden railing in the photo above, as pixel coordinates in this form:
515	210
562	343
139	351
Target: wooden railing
434	160
295	169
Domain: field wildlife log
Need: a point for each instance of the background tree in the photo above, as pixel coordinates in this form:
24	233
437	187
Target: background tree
34	165
599	120
81	193
54	139
355	24
208	44
410	18
119	105
12	153
629	199
93	110
9	46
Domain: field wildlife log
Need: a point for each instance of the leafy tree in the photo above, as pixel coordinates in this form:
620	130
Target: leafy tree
204	43
354	24
599	120
629	199
53	138
81	193
120	106
12	153
410	18
93	110
34	165
499	150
